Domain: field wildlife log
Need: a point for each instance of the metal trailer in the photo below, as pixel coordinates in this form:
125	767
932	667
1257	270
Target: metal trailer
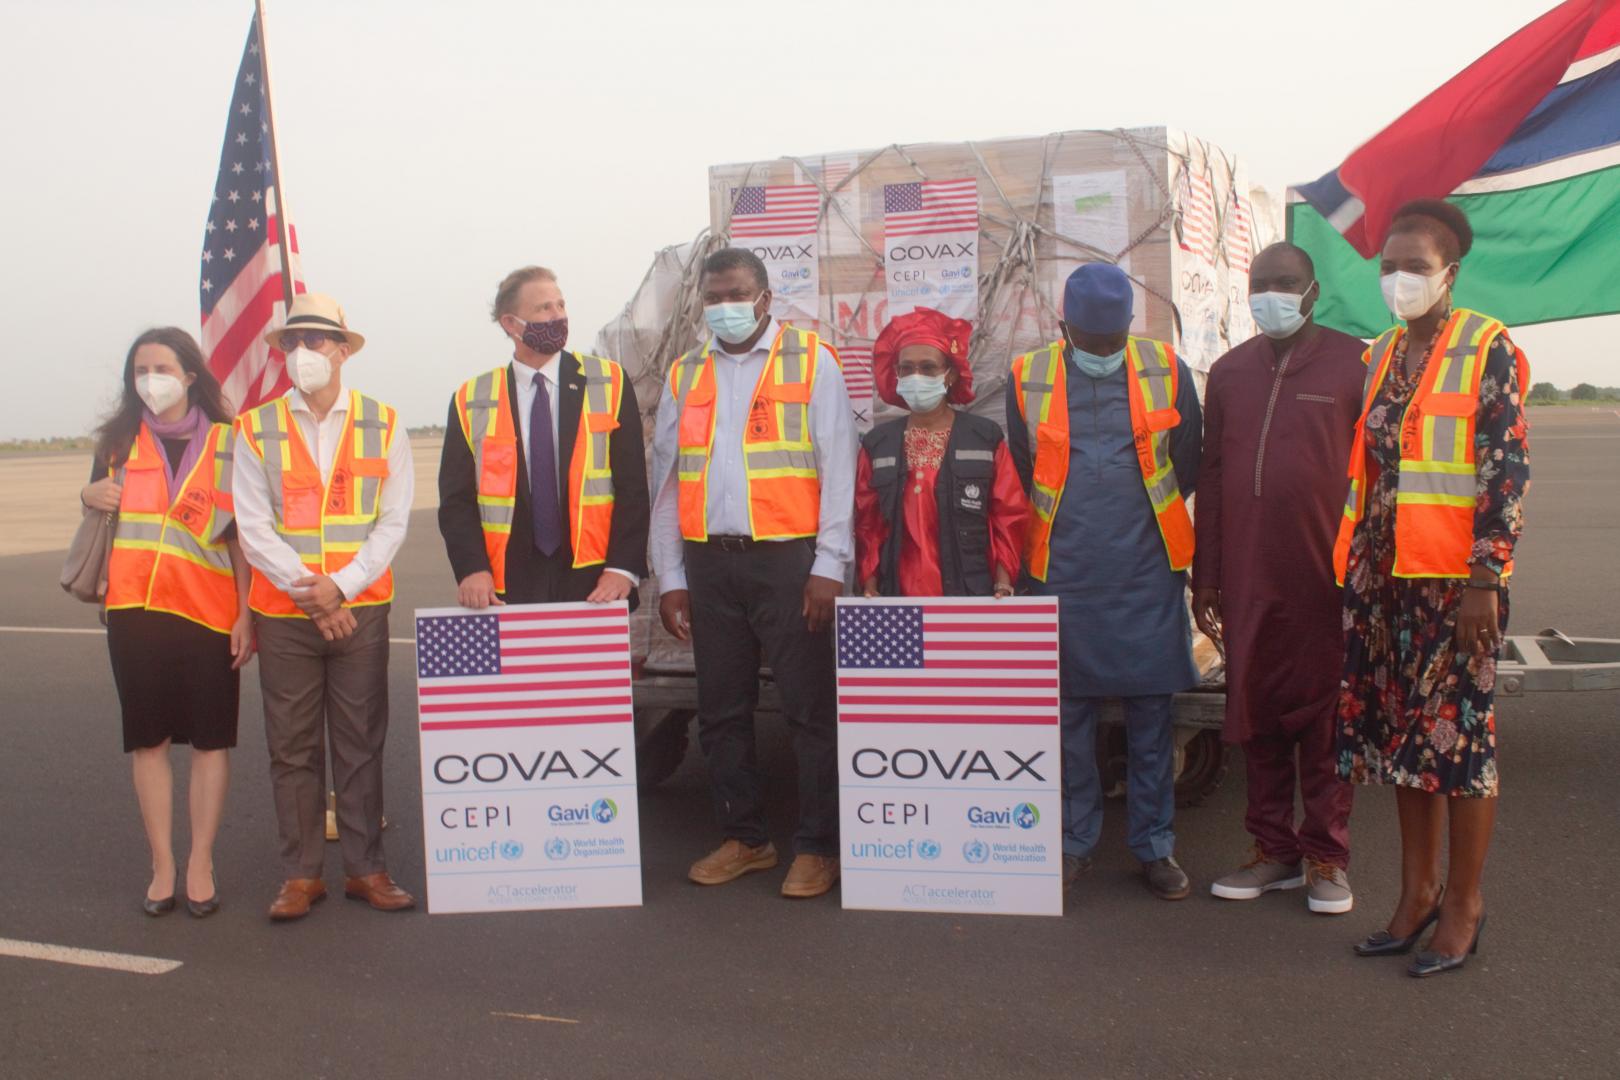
666	703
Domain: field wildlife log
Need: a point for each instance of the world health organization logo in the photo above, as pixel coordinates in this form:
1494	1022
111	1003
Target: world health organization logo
928	849
976	852
604	811
511	850
1025	816
556	848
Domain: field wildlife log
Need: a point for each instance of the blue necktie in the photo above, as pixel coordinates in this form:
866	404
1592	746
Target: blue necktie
543	472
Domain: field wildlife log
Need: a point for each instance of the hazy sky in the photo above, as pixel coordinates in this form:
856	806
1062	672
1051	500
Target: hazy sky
429	148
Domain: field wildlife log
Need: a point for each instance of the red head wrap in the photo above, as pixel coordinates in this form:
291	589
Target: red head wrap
924	326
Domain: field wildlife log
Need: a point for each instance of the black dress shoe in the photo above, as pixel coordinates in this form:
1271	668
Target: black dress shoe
201	909
1384	943
1433	963
155	908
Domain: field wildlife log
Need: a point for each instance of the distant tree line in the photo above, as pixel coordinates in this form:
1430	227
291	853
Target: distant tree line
1545	393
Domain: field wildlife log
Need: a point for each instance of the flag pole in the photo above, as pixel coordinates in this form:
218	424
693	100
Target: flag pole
283	229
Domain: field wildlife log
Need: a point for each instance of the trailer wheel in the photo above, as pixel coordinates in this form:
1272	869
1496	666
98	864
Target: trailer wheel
1203	769
661	742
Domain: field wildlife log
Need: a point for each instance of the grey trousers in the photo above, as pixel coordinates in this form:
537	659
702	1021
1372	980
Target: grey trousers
318	692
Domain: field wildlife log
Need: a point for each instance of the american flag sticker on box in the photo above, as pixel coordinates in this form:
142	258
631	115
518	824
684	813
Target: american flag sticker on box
528	757
948	754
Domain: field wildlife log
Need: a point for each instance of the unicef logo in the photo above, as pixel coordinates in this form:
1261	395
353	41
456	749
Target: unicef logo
1025	816
511	850
928	849
556	848
604	811
976	852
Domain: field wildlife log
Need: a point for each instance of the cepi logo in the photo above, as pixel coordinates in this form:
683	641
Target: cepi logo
556	849
976	852
511	850
604	810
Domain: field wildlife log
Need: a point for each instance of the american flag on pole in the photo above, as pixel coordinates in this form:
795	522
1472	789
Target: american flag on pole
241	286
535	666
939	660
928	207
775	210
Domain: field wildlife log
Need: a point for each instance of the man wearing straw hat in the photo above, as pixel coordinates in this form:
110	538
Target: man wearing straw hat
324	485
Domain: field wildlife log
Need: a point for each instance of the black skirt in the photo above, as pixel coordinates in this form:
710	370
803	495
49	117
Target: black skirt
174	680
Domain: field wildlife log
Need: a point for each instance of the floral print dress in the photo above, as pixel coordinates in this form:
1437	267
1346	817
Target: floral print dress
1413	709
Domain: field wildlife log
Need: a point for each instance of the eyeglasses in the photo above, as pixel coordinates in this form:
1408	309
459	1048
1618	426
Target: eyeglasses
311	339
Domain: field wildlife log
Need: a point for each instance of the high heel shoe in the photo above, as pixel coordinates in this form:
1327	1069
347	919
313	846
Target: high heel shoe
1433	963
1383	943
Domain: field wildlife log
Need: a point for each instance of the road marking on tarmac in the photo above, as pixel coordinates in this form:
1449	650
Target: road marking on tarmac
97	630
66	954
534	1016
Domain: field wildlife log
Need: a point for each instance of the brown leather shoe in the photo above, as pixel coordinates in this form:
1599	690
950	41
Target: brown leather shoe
379	891
810	875
730	861
296	897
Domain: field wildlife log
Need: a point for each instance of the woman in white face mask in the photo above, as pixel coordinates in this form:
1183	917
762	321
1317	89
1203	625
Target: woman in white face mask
939	510
178	626
1438	469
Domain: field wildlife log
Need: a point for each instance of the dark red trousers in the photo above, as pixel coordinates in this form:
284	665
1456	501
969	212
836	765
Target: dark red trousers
1278	764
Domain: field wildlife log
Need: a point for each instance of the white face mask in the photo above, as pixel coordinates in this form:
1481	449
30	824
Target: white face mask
1409	295
159	391
309	370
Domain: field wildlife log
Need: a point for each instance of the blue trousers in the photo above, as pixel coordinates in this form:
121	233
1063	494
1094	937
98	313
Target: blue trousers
1150	787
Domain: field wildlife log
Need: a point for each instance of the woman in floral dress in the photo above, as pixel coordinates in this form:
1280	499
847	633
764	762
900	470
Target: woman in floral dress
1423	626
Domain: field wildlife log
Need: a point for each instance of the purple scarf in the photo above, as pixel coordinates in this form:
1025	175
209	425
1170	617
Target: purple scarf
192	427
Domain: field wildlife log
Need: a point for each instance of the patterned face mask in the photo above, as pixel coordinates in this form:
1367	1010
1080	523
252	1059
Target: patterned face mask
546	338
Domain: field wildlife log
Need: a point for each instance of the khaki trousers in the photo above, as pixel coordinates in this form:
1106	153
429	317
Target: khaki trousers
319	692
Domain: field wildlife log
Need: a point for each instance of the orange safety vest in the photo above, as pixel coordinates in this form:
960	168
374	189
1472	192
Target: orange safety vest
779	458
1437	489
485	408
168	553
324	523
1040	380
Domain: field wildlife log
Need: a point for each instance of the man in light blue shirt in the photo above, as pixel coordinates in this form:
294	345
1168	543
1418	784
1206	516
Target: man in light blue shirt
731	584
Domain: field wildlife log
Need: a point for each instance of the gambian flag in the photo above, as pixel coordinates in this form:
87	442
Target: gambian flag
1527	141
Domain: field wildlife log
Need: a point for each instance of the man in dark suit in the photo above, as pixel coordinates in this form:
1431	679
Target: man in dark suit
551	417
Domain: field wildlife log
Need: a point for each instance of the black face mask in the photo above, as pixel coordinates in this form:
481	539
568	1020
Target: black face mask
546	337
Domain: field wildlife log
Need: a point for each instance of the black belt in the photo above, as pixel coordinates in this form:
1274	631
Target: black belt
746	543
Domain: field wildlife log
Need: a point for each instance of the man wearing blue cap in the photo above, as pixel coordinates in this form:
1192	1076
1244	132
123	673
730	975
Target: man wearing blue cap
1105	431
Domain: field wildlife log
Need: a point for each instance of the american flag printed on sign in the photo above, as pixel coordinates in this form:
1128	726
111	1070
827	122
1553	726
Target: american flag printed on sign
524	669
927	207
775	210
1198	228
241	286
857	363
939	660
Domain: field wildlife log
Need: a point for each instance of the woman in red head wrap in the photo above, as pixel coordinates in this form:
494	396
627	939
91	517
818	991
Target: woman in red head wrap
939	510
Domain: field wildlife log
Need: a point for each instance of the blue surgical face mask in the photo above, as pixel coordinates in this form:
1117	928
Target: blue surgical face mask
732	322
922	392
1097	366
1278	314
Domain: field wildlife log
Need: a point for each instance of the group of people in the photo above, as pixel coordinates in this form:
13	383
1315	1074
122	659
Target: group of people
1356	512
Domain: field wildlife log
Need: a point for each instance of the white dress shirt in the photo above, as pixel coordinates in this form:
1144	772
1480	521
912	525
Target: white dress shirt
255	525
832	431
525	378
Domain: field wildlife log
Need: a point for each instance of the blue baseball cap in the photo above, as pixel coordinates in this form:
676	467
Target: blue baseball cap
1097	299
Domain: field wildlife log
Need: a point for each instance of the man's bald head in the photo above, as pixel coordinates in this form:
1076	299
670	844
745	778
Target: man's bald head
1280	257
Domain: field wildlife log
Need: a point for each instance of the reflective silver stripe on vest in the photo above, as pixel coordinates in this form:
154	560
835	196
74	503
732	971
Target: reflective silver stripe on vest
480	403
225	462
370	427
690	463
138	530
885	462
792	354
689	460
1375	355
598	383
1457	355
1458	485
778	459
1045	502
1037	388
182	541
1156	375
346	533
271	435
303	543
975	455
